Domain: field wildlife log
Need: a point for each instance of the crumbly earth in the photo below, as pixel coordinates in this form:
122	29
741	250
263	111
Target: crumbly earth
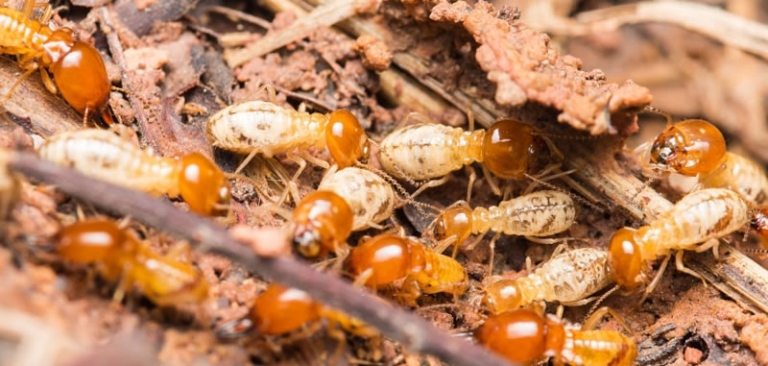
178	74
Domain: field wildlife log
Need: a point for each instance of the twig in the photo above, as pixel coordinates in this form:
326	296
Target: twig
406	90
116	49
238	15
325	15
406	328
716	23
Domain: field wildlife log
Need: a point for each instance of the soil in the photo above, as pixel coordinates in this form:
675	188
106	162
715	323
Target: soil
583	89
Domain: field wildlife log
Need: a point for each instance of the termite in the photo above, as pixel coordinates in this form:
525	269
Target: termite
321	223
387	258
259	127
509	149
78	69
526	337
370	196
120	255
694	223
104	155
280	310
569	278
697	148
533	215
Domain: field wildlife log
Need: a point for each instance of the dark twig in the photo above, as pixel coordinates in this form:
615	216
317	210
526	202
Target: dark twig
410	330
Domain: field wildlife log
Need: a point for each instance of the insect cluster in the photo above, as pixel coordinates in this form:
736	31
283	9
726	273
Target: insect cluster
355	199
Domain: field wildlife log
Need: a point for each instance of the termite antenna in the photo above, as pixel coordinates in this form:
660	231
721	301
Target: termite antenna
650	109
404	195
560	189
600	301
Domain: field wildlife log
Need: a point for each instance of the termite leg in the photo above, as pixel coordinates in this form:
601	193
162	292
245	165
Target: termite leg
181	251
310	158
18	82
471	183
593	320
413	115
492	252
430	184
656	279
336	333
492	182
713	244
682	268
602	298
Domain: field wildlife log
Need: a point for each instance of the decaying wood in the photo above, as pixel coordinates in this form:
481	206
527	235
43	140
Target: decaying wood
400	325
32	107
594	161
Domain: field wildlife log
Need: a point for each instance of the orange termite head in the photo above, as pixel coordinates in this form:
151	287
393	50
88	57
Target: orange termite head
385	257
511	149
346	139
90	241
455	221
522	336
279	310
625	259
689	147
202	184
501	296
321	222
79	73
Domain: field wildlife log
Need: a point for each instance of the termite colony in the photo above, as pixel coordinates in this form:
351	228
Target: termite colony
350	216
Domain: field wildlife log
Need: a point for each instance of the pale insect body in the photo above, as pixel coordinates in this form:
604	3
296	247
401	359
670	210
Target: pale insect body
370	197
536	214
265	128
694	223
741	175
102	154
700	216
568	278
541	213
425	151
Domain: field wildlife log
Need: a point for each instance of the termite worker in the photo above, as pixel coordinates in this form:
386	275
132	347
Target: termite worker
533	215
78	70
697	148
526	337
120	255
569	278
694	223
280	310
387	258
509	149
370	196
259	127
102	154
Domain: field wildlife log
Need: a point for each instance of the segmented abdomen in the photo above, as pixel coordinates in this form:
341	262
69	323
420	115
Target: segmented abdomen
601	348
103	155
569	277
19	34
264	127
741	175
540	213
427	151
369	196
701	215
441	274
